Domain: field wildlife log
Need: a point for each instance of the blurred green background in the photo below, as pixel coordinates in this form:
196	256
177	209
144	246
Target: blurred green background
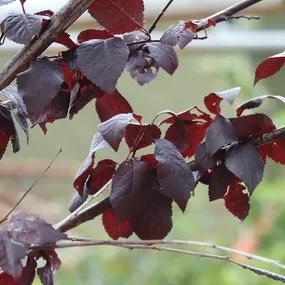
200	72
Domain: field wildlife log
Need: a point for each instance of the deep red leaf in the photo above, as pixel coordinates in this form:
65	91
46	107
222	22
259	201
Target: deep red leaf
100	175
109	105
252	126
269	66
91	34
275	150
84	170
196	133
177	134
47	13
64	39
237	202
6	279
140	136
118	16
87	91
150	160
114	228
213	100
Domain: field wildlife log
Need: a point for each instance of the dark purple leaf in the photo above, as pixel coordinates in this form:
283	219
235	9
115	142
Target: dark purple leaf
155	222
245	162
175	177
114	129
11	254
46	275
202	159
131	187
185	38
38	86
219	134
17	107
22	28
219	180
7	131
172	35
103	61
256	102
164	55
28	229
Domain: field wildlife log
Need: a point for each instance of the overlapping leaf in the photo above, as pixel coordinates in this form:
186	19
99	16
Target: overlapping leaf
103	61
39	87
118	16
213	100
237	202
113	130
175	177
164	55
245	162
256	102
219	134
84	171
114	227
22	28
109	105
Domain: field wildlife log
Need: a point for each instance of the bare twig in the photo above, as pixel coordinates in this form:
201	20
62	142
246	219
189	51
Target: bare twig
153	26
31	187
150	245
228	250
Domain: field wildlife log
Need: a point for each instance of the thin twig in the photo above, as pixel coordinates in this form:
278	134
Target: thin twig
153	26
145	245
249	256
31	187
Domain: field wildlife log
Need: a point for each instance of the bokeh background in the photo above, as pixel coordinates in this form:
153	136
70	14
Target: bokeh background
227	59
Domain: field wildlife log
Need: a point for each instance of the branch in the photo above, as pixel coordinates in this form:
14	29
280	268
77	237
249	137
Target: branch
97	209
151	245
58	23
30	188
65	18
153	26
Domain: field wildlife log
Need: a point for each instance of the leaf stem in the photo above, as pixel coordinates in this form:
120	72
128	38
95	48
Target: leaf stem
30	188
154	25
